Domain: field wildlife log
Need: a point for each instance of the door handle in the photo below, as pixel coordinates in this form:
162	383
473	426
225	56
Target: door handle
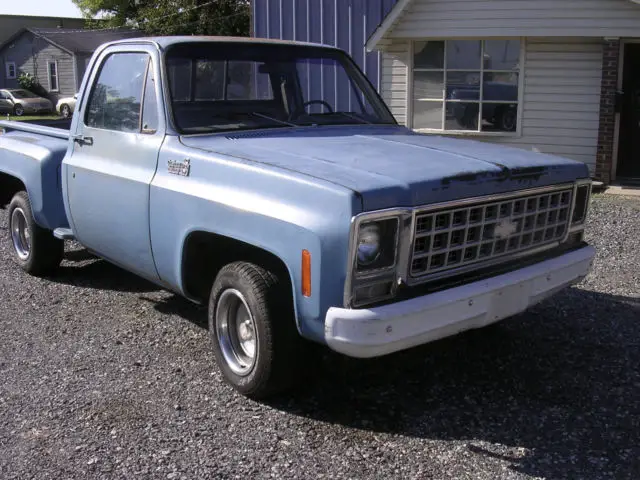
82	140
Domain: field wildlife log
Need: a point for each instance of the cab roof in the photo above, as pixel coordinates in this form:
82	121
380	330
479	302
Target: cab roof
167	41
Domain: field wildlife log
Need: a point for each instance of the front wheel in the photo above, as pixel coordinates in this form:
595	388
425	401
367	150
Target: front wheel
18	110
252	328
35	249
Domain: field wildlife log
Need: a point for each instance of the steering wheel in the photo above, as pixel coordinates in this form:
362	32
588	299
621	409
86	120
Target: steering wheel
302	109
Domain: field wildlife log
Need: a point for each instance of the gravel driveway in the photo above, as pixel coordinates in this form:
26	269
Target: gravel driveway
105	376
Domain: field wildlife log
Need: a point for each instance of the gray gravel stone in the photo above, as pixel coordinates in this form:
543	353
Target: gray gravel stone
105	376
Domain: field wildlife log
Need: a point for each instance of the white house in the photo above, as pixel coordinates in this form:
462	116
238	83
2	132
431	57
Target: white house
556	76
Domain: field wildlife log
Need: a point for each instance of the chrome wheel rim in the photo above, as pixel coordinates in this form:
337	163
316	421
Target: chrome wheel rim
19	110
66	112
20	234
236	332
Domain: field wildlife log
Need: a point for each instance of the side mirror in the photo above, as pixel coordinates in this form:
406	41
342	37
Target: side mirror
75	97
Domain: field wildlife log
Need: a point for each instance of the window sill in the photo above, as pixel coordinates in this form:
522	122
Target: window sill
467	133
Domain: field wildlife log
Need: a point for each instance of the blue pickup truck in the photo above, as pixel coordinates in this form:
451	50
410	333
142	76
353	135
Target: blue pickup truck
215	168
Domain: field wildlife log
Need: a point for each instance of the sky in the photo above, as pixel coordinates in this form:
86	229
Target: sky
44	8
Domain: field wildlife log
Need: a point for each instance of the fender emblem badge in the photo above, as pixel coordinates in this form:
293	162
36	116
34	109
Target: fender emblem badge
179	168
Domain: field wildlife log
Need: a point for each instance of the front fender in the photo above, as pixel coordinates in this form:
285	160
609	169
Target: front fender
259	206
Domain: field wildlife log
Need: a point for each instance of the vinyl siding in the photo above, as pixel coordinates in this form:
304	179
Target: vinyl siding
32	55
82	62
560	111
488	18
561	100
394	88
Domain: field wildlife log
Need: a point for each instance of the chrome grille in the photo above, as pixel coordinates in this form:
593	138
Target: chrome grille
450	238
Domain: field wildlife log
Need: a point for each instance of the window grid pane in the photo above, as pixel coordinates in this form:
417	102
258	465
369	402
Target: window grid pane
428	114
496	109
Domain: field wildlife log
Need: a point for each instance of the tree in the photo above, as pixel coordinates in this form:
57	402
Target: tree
29	82
173	17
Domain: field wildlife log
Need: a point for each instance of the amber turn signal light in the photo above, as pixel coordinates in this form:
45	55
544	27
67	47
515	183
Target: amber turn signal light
306	273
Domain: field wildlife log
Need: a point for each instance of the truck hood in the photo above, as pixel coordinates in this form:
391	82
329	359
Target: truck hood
394	166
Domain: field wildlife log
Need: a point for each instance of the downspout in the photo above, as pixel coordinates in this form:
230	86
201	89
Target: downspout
75	73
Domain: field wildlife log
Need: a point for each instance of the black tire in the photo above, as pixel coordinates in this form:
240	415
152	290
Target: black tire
508	119
65	111
278	346
45	252
470	118
18	110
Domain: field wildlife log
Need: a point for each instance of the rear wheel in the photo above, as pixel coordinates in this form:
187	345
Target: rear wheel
35	249
252	328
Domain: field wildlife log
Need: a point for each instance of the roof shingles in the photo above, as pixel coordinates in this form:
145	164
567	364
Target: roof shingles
82	41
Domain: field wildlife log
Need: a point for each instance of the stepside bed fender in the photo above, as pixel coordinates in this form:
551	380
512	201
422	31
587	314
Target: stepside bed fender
35	160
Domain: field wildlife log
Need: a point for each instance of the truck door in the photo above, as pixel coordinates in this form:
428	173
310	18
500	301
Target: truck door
116	140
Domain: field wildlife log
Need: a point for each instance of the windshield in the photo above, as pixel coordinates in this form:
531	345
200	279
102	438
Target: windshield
22	94
236	86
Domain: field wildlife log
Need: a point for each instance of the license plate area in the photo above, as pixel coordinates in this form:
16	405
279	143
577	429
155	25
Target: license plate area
510	300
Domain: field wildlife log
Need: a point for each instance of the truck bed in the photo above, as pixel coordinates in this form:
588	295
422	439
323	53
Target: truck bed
58	128
32	154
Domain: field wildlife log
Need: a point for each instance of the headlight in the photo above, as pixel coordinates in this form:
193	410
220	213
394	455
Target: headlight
376	247
376	244
368	244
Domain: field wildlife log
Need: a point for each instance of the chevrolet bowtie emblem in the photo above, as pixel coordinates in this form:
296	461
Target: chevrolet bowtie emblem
505	228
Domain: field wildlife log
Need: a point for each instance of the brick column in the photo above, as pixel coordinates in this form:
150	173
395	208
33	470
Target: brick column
610	63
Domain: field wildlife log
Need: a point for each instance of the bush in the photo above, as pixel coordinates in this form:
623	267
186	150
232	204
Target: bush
29	82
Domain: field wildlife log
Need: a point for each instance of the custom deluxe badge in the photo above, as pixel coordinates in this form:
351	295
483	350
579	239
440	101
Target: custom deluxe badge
179	168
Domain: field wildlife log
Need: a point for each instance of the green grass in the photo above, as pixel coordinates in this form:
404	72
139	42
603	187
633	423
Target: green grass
31	117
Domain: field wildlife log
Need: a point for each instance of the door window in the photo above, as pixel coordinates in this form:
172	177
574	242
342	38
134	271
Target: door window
150	106
116	98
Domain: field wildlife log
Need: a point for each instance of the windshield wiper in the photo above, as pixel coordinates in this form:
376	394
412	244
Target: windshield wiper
282	122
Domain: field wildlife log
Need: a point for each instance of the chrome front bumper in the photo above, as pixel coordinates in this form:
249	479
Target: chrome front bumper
382	330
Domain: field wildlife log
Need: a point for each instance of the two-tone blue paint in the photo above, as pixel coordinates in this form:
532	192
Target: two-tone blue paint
281	190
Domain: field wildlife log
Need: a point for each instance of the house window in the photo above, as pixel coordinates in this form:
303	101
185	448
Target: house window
466	85
53	76
11	70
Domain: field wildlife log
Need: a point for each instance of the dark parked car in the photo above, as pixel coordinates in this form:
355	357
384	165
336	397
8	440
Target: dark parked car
20	101
502	116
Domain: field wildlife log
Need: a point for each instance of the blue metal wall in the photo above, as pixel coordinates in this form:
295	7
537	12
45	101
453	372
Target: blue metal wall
346	24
